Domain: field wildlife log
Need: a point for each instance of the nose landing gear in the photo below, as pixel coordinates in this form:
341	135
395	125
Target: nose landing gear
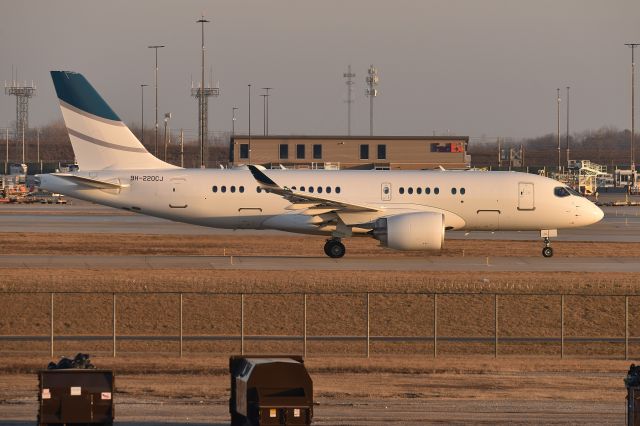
334	248
547	251
545	234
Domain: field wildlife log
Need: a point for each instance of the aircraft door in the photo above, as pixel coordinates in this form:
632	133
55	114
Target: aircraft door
386	191
525	196
177	199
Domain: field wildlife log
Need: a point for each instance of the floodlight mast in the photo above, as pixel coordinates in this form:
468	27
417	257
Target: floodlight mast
633	113
202	21
156	47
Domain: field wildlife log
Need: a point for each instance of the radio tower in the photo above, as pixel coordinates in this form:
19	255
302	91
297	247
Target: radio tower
372	81
22	92
202	94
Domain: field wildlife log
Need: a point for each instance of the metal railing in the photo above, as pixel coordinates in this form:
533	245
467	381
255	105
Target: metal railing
435	339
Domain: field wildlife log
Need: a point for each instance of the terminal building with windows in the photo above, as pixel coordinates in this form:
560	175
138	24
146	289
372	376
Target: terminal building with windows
351	152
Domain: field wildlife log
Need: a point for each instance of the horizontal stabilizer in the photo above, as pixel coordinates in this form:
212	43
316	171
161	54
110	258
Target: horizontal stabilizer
92	183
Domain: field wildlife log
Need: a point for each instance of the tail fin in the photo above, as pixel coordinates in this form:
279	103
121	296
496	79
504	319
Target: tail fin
100	140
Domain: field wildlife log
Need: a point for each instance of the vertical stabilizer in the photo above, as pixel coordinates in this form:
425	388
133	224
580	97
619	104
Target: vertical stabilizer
100	140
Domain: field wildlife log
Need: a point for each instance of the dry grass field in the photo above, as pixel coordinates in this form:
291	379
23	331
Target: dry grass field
399	370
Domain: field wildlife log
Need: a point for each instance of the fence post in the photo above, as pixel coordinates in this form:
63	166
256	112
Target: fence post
51	335
368	326
114	325
304	331
242	324
495	321
180	325
626	327
562	326
435	325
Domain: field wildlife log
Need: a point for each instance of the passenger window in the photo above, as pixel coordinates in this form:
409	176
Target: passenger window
410	190
462	191
223	188
401	190
311	189
328	190
427	190
319	190
302	188
233	189
214	188
337	189
436	190
258	190
241	189
561	191
293	188
418	190
453	191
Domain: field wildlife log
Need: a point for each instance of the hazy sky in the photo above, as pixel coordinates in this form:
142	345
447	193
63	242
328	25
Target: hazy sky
471	67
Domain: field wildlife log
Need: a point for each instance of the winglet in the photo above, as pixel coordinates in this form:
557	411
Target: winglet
261	177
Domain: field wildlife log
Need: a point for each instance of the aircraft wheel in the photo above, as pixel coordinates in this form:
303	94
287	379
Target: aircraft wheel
547	252
334	249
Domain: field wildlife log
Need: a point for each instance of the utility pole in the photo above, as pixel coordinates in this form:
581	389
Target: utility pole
568	126
38	148
23	152
6	161
372	81
264	115
233	120
349	76
266	108
156	87
633	112
558	133
142	86
167	116
181	148
249	116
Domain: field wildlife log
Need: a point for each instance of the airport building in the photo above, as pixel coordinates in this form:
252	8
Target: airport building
351	152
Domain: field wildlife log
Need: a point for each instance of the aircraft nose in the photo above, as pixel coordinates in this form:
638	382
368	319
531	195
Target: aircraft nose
596	213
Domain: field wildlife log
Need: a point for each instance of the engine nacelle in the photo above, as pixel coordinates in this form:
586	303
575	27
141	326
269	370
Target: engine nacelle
411	231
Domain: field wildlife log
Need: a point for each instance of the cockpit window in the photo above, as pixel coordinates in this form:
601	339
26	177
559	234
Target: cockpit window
573	192
561	191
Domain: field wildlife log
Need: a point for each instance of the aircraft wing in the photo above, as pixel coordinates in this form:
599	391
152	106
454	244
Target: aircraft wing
302	200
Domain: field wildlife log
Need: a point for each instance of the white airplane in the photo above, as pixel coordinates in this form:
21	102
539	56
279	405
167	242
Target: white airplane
404	210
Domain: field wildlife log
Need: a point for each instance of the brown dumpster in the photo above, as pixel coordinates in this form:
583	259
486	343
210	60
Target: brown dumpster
270	390
75	396
632	383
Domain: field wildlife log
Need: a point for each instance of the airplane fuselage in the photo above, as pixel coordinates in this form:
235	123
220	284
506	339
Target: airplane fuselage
231	198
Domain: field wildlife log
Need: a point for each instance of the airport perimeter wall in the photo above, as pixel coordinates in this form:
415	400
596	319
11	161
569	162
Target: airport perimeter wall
324	324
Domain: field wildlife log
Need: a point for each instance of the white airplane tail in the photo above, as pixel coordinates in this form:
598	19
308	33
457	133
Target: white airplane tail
100	140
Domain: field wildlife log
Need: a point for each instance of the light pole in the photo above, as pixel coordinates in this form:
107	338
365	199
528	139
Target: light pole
568	125
558	132
249	116
142	86
633	112
6	162
233	120
156	47
38	148
266	109
167	116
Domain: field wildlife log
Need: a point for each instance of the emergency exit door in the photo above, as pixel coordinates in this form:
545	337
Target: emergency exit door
525	196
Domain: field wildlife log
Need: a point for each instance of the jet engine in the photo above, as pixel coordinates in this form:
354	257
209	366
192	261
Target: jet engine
411	231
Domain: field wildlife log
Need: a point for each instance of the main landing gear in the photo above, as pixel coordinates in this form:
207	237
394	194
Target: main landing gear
334	248
547	251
